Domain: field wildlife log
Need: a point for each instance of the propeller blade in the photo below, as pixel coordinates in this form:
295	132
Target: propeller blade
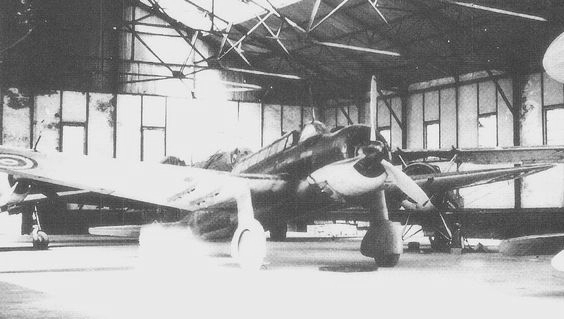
408	186
373	104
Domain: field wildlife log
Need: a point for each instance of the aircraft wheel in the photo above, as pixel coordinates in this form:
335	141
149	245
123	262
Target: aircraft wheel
383	242
387	260
278	231
248	246
40	240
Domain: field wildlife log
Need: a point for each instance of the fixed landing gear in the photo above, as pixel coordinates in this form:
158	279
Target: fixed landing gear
40	238
248	246
383	242
444	242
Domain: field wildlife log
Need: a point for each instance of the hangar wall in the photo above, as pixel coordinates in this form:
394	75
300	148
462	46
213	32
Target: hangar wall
473	113
85	81
89	87
105	90
141	127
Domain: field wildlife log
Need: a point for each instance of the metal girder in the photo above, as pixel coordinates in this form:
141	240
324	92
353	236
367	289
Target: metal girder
160	78
295	57
496	10
294	25
394	115
135	21
403	50
261	20
192	45
173	23
241	30
501	92
313	14
335	9
378	29
225	38
356	48
149	48
289	21
354	6
374	4
232	45
274	35
346	114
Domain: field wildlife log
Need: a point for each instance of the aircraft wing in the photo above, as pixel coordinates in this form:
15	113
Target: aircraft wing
181	187
513	154
442	182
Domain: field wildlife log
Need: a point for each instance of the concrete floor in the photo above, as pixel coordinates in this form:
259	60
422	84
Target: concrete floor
175	276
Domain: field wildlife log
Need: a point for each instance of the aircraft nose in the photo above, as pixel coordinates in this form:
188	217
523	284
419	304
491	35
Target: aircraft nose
371	164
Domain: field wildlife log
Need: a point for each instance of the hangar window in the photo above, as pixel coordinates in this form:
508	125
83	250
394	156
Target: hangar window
554	129
74	117
153	144
487	130
153	113
73	139
432	135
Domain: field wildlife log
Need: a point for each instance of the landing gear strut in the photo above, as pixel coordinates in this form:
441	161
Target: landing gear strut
39	237
440	243
383	240
248	246
451	238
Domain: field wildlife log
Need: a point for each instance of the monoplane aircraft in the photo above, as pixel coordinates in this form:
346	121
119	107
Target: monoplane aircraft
299	172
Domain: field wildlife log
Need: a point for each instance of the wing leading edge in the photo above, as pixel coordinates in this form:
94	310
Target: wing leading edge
512	154
442	182
181	187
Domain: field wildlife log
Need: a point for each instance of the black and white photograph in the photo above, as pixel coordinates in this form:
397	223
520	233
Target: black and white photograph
281	158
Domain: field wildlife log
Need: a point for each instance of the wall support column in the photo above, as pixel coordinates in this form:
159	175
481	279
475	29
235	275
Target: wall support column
519	82
404	96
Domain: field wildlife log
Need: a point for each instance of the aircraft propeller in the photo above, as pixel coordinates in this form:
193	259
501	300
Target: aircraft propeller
376	161
375	164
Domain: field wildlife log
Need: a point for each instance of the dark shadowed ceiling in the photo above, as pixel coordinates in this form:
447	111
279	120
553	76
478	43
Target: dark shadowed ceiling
433	38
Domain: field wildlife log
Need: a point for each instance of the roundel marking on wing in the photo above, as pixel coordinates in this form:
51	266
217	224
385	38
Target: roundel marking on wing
13	161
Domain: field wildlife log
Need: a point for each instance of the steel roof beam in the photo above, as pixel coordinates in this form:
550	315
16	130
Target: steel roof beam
335	9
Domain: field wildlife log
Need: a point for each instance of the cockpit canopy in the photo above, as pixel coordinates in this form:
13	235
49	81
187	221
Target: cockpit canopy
313	129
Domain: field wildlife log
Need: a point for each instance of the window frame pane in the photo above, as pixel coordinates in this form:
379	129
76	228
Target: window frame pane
427	144
548	131
489	141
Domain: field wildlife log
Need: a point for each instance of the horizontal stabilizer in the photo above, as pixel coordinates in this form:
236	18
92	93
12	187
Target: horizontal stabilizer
129	231
535	245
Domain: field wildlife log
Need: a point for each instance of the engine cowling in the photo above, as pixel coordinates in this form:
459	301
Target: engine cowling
12	191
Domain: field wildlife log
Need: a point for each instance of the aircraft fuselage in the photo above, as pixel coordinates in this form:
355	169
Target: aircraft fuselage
297	163
303	158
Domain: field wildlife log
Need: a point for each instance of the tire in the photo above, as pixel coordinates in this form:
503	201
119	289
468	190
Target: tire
248	246
250	256
387	261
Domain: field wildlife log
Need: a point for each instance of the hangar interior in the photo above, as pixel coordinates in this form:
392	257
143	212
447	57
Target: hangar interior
141	80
